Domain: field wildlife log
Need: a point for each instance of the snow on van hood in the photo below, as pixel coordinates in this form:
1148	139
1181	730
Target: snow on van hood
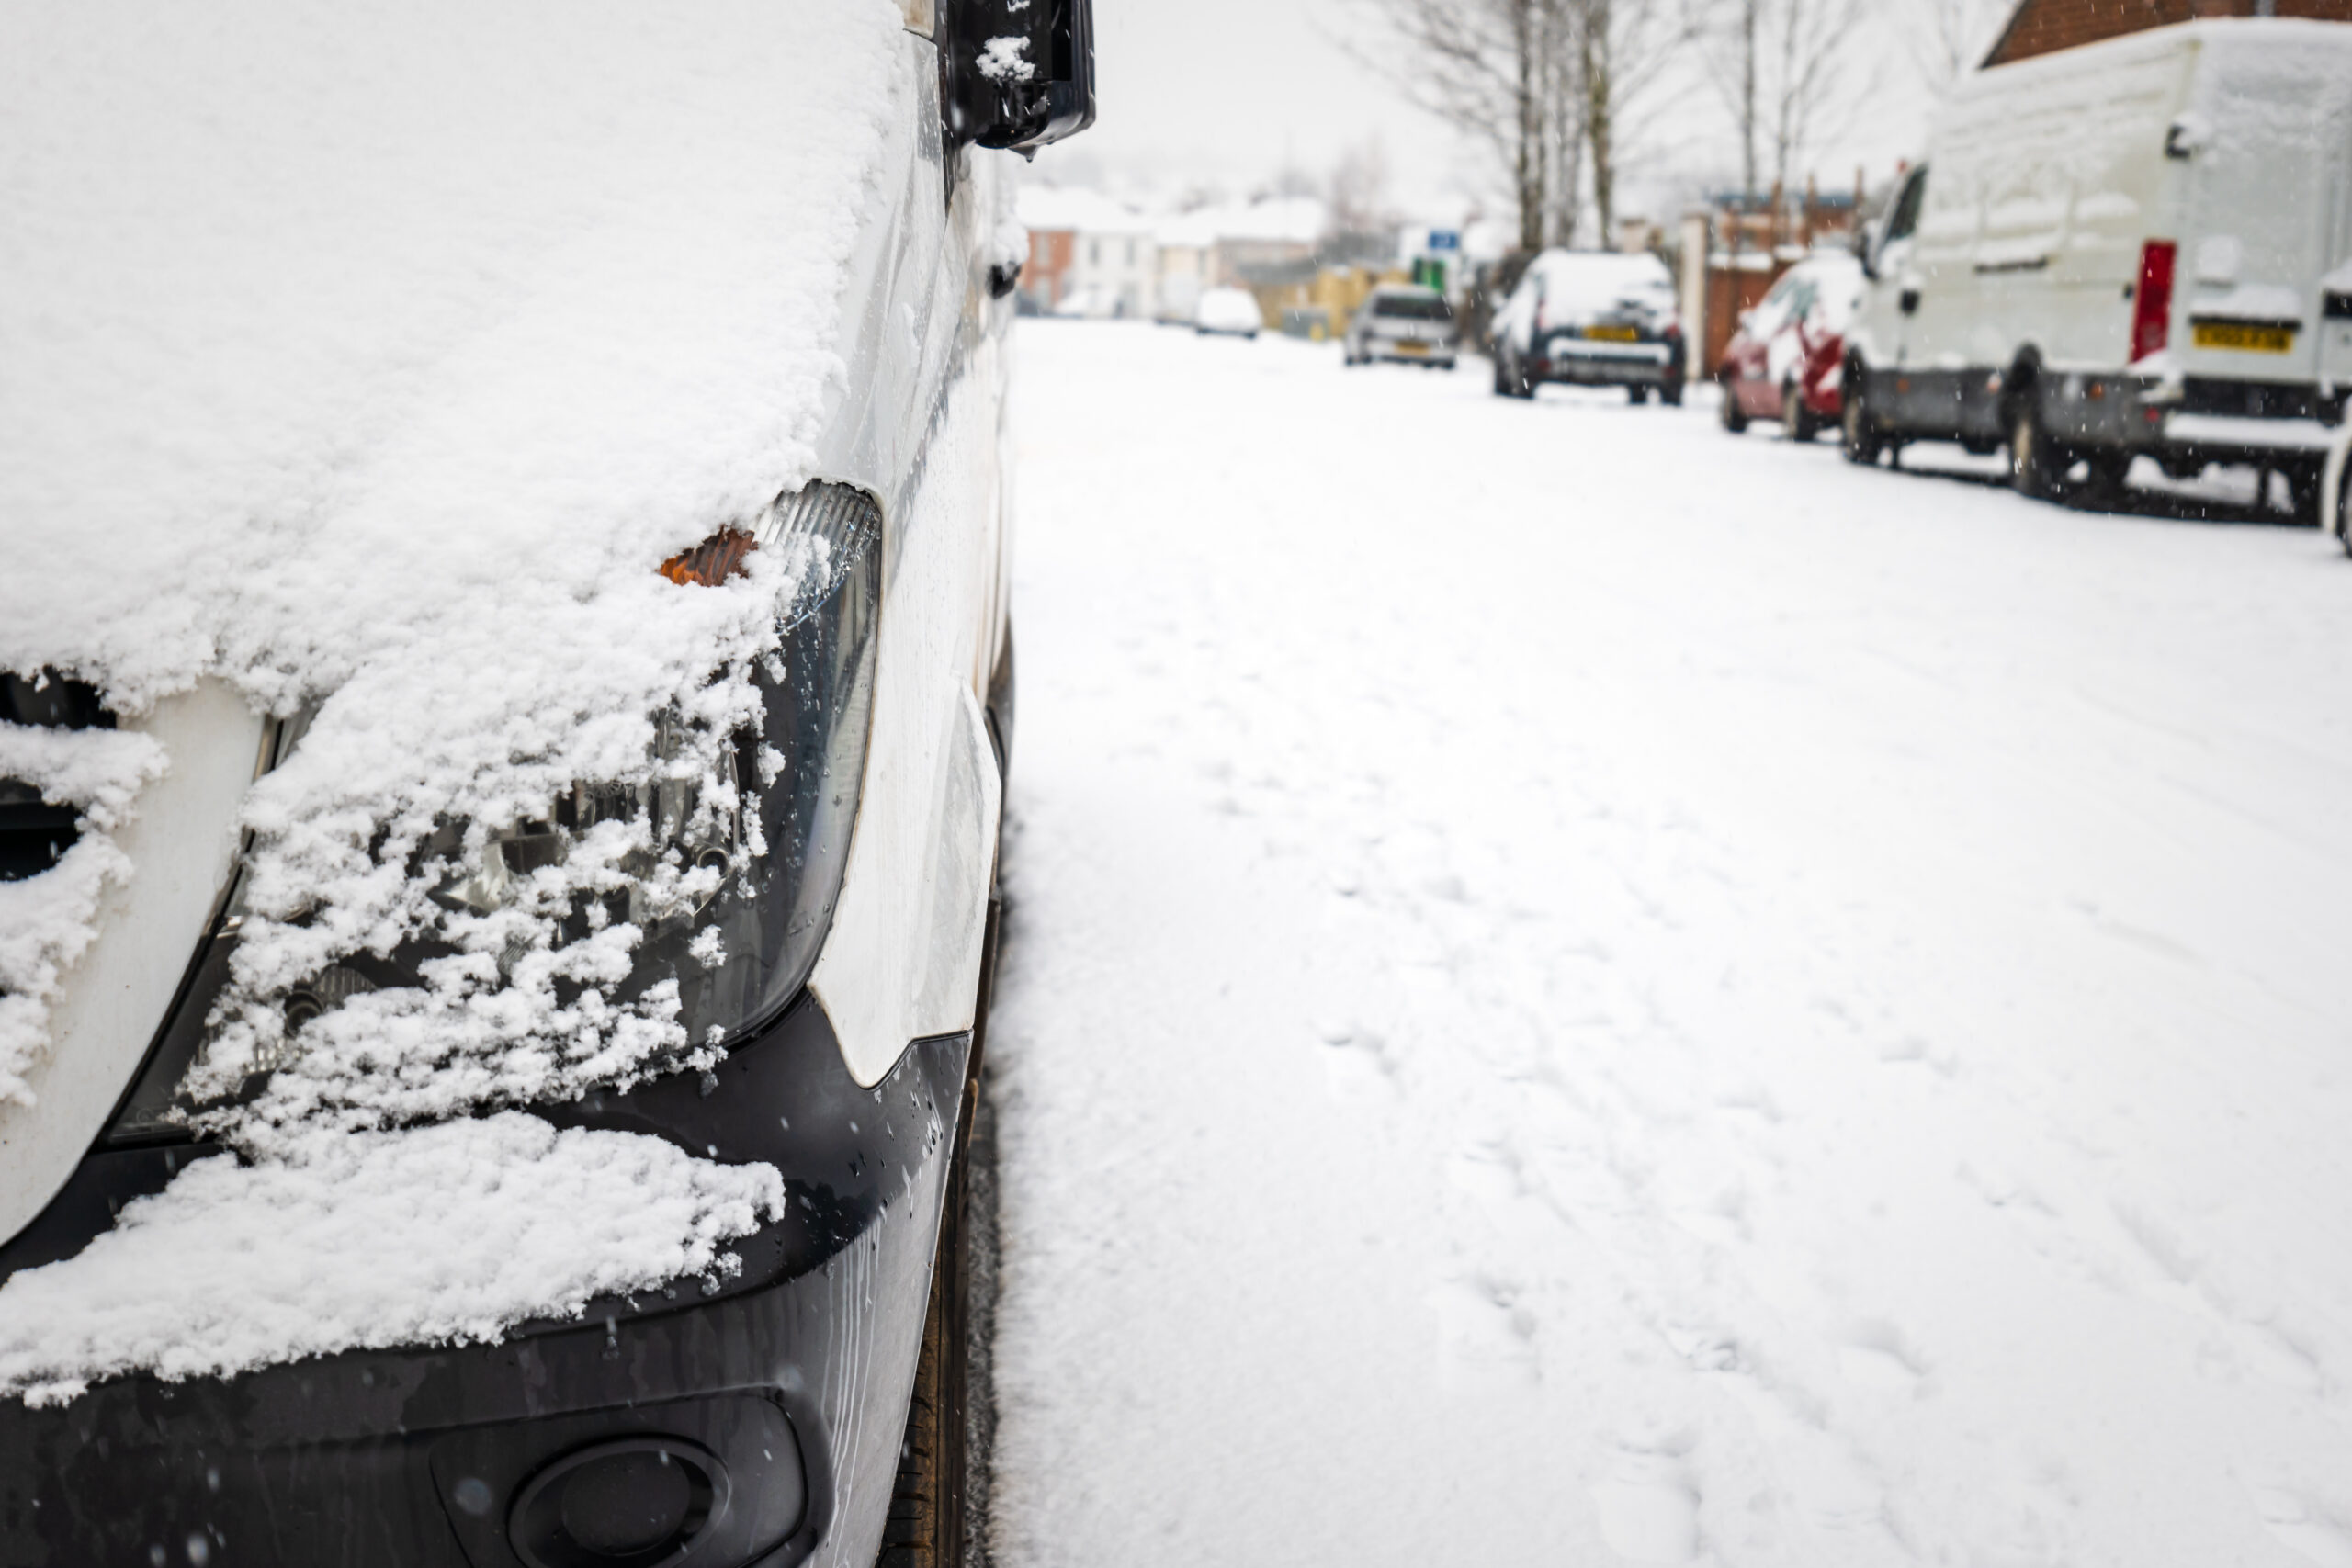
372	357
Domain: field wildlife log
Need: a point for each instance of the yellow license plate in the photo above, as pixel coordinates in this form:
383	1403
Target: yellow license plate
1412	348
2243	336
1612	334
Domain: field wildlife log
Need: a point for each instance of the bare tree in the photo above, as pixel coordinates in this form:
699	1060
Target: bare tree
1550	87
1359	190
1948	37
1779	68
1624	47
1503	72
1564	97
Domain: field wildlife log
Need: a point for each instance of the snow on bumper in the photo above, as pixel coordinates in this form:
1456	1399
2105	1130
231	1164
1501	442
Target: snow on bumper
792	1370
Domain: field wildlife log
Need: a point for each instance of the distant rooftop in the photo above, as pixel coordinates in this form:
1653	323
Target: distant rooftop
1297	220
1049	208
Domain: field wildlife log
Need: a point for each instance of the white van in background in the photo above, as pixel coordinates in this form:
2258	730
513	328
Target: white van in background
2138	246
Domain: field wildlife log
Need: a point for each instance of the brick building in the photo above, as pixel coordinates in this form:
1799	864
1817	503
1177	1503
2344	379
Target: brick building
2043	26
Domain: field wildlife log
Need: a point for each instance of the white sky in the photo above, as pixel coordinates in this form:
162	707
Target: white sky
1223	91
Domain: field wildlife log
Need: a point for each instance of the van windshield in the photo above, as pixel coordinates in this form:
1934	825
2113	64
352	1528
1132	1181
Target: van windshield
1905	217
1412	307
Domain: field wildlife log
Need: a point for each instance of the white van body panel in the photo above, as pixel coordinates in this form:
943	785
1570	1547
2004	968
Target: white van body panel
917	420
181	841
2232	139
2044	177
920	425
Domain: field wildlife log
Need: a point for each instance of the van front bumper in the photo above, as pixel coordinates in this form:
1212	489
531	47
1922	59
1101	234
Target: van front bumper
789	1380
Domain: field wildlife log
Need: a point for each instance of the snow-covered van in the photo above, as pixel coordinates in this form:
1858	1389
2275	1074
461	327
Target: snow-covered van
505	680
2137	246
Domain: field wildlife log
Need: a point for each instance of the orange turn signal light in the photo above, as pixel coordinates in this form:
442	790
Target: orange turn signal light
713	561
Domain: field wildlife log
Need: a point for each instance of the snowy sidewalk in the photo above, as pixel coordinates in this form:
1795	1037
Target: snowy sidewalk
1580	990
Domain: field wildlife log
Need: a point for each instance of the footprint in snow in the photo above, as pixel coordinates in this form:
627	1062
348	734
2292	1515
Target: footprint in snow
2302	1526
1877	1355
1648	1508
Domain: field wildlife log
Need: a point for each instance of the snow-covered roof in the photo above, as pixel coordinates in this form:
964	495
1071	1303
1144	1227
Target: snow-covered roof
1074	208
1283	220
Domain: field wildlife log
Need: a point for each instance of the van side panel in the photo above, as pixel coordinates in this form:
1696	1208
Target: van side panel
2046	178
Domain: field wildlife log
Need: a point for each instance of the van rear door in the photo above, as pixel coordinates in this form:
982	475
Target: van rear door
2268	147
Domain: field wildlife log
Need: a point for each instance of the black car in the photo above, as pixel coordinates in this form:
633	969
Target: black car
1591	319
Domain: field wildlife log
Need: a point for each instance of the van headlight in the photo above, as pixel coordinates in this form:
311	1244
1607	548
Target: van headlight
725	883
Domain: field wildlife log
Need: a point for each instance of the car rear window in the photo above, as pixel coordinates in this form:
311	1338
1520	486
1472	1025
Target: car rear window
1412	307
1601	281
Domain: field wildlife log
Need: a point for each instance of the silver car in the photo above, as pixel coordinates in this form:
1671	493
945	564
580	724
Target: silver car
1406	323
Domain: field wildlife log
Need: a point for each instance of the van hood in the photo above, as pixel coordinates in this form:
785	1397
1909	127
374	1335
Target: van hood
366	360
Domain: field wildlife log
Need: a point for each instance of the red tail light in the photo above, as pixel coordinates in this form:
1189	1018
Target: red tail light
2152	301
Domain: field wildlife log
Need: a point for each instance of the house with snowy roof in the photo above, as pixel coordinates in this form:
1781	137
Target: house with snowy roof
1234	243
1089	255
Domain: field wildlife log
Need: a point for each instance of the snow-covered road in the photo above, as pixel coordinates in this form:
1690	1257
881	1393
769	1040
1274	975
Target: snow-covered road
1581	989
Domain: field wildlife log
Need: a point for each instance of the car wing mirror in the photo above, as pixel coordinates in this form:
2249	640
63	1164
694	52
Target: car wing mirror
1016	73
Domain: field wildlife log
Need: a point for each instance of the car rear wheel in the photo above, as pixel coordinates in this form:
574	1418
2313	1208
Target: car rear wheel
1637	394
1796	420
2304	490
1862	441
1734	418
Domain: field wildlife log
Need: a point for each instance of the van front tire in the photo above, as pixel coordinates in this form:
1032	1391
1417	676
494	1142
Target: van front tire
939	1506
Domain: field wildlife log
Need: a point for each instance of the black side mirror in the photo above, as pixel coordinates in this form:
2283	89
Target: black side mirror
1016	73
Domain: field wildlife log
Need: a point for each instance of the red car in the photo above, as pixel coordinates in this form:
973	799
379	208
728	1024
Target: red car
1785	360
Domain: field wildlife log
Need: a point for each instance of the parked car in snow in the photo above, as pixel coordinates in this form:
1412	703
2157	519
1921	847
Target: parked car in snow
1403	322
499	845
1787	359
2118	250
1591	319
1231	311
